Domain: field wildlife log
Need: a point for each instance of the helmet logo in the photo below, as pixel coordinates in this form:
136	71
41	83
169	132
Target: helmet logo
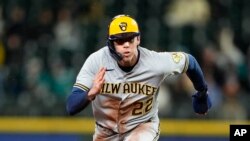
123	26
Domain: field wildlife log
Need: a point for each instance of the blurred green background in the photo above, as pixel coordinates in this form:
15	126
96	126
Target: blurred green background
43	44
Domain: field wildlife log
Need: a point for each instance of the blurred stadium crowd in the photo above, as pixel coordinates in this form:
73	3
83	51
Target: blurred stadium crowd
43	44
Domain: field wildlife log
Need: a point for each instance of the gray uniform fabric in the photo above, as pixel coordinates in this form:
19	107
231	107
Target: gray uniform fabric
129	99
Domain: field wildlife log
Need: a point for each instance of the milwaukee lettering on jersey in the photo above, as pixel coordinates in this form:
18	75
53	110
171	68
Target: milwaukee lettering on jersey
128	88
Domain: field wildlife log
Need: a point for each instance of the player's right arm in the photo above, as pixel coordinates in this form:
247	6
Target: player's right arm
77	101
97	85
88	84
80	98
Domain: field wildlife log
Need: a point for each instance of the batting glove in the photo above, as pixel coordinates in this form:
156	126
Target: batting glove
201	102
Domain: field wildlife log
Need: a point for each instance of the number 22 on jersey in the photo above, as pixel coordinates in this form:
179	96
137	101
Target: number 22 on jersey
142	107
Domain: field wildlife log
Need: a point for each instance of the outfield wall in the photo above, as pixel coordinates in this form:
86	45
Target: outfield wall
81	129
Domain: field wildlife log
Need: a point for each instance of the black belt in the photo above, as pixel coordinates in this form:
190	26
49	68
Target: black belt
106	129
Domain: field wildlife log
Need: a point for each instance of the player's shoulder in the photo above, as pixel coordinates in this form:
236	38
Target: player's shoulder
100	51
147	52
160	55
144	50
98	54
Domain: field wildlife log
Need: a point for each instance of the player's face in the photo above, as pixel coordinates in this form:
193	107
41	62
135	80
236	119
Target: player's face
128	49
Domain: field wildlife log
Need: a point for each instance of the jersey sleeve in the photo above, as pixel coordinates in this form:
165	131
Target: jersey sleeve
87	73
174	62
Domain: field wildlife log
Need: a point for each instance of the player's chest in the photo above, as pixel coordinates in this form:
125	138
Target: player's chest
120	84
145	75
120	88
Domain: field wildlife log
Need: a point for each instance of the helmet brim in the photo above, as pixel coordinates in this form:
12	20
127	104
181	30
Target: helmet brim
123	36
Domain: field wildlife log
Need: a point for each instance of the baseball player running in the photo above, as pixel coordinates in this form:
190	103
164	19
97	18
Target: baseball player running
121	81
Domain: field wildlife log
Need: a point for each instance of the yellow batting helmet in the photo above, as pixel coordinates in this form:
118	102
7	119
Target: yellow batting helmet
122	26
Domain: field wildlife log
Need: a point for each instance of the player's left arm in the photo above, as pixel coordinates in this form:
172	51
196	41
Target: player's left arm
200	100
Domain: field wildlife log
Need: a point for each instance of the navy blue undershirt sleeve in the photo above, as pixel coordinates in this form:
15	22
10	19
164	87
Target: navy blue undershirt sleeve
77	101
195	74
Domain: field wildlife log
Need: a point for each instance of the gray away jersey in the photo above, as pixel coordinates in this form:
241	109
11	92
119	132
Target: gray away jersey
128	99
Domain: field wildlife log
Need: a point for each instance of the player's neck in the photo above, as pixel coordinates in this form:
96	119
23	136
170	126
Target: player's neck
131	62
128	68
